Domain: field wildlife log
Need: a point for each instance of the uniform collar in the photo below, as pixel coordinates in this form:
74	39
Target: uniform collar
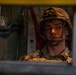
65	53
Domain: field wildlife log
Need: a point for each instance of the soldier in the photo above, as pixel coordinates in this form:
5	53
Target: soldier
54	29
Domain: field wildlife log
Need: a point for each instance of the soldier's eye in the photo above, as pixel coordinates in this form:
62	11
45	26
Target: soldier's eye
58	27
47	29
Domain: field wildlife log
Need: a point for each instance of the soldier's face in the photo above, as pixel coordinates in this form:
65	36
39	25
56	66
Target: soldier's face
53	30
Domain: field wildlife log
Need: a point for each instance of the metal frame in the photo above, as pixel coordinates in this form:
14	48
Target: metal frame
74	40
39	68
31	42
39	2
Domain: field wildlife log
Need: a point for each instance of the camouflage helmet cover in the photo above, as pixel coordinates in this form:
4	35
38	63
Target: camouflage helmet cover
54	13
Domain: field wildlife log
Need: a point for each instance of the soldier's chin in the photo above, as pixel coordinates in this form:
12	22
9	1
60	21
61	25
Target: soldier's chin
53	42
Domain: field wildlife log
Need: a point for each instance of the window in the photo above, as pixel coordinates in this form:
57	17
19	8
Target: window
25	67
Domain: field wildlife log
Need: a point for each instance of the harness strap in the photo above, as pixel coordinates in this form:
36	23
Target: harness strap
36	27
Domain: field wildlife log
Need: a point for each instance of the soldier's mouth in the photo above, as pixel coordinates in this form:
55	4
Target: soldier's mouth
56	38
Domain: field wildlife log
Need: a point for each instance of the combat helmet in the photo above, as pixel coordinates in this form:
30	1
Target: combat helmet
54	13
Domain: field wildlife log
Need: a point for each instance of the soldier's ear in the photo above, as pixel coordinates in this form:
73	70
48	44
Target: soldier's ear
66	31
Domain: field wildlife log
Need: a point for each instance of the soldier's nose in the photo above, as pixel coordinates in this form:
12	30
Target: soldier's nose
53	30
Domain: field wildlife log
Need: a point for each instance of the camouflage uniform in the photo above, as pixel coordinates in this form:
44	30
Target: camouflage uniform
43	55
